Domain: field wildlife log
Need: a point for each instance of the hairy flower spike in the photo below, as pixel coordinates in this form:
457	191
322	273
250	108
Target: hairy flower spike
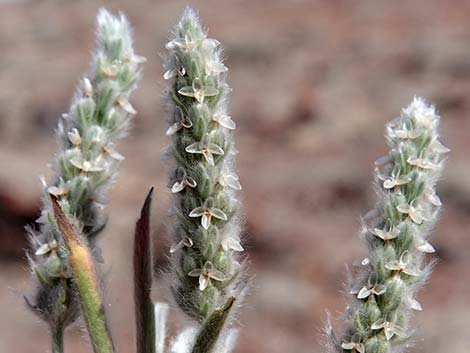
396	233
203	182
86	163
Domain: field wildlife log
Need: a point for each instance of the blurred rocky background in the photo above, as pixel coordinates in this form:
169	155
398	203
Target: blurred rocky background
313	84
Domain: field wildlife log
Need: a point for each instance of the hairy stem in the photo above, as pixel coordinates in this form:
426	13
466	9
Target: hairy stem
57	339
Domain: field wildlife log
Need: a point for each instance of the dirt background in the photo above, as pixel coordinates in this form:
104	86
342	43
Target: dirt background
313	84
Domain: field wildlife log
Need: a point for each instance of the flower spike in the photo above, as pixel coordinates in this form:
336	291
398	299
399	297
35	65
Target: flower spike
86	165
396	233
204	185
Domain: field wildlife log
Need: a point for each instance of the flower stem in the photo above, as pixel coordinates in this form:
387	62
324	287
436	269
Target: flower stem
57	339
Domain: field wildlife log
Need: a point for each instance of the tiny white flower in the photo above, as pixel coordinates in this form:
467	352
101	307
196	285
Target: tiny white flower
402	266
87	166
423	114
205	274
407	134
182	122
187	43
185	242
126	105
365	261
396	180
365	292
198	91
46	248
224	120
215	67
58	190
353	346
87	87
232	243
109	70
385	234
206	148
390	329
209	44
110	151
413	303
178	69
134	58
169	74
229	179
185	181
437	147
430	195
74	137
206	212
421	163
424	246
414	211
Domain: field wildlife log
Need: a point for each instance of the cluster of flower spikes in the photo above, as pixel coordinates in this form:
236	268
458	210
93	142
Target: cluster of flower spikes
86	163
396	234
206	211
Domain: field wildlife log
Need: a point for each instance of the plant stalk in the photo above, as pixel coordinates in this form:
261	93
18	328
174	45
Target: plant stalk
57	339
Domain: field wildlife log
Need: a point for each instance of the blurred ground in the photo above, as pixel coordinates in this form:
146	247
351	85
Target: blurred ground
313	83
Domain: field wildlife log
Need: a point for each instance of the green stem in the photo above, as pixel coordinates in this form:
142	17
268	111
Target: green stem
57	339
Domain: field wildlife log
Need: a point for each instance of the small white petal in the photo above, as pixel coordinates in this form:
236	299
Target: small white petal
363	293
126	106
197	212
175	247
174	128
414	304
224	121
195	273
109	71
203	282
138	59
74	137
425	247
110	151
438	147
215	149
170	74
191	182
87	87
43	250
177	187
209	158
218	213
348	345
206	220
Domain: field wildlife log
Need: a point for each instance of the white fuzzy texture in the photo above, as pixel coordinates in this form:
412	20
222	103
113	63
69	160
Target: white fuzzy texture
396	231
86	162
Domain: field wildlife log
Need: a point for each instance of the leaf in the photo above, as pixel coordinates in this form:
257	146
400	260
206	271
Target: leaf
144	308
